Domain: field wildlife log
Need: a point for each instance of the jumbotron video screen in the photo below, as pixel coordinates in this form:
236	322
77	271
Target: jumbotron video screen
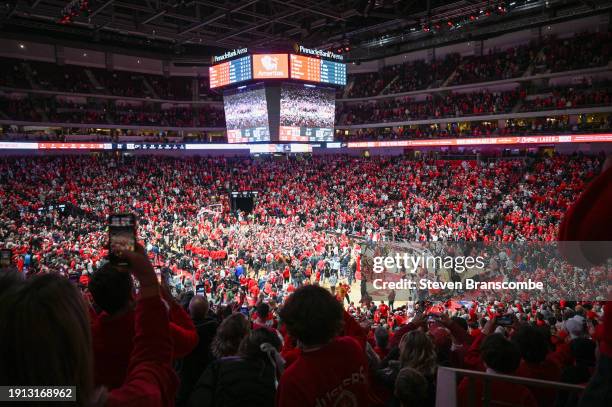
246	116
307	113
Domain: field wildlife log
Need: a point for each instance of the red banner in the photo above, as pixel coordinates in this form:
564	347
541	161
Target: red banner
569	138
71	146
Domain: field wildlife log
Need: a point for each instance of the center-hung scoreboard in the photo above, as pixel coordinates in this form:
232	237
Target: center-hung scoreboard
278	96
239	66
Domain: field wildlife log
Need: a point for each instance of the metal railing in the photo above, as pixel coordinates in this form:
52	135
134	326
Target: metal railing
447	383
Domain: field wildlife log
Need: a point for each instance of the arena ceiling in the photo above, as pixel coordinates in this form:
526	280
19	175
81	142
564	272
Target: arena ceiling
205	27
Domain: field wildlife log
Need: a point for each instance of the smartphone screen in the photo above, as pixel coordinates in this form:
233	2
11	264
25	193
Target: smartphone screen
74	278
5	257
200	289
121	236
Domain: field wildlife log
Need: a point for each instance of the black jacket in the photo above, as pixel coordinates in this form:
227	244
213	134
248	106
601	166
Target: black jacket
235	382
193	365
387	376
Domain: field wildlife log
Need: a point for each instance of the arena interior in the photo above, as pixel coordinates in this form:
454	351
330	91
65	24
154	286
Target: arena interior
356	203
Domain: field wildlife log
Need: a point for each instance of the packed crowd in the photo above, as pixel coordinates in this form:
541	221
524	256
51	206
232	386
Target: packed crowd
420	75
567	98
496	65
469	104
536	126
545	56
451	105
73	78
585	50
261	331
102	112
410	200
113	136
404	77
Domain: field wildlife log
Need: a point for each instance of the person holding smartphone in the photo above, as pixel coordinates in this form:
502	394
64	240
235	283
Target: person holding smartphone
113	329
121	236
6	259
48	312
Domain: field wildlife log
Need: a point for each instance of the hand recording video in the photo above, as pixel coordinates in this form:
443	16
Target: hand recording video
121	236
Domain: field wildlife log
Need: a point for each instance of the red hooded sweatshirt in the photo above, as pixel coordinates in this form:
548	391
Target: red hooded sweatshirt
113	342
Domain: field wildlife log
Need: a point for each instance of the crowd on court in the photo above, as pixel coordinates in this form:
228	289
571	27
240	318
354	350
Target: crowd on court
300	200
246	109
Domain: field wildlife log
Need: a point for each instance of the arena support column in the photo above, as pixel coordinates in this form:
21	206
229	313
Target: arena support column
273	101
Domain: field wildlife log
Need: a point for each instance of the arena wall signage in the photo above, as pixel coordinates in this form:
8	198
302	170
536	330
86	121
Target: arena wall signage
570	138
156	146
317	52
229	54
75	146
18	146
302	147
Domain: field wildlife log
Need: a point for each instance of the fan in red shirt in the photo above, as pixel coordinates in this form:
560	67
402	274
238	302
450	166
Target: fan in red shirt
329	370
383	309
502	357
113	329
535	364
54	316
262	317
381	336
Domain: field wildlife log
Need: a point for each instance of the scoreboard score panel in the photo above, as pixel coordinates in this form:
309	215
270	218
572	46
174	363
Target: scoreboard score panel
230	72
305	68
277	66
333	72
317	70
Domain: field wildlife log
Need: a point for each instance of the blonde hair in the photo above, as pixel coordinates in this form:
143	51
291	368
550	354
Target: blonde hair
418	352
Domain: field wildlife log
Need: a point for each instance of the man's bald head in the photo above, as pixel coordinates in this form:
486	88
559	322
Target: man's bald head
198	307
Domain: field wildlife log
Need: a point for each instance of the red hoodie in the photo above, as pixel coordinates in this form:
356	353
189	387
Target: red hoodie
547	370
510	394
151	381
113	342
333	375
